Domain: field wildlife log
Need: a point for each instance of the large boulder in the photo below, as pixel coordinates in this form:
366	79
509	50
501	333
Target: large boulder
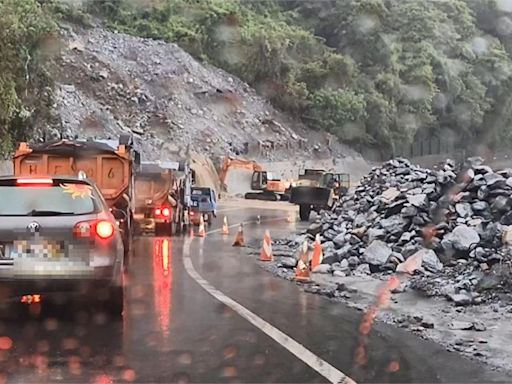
463	237
286	262
339	240
394	225
419	201
464	209
430	261
375	233
322	268
314	229
389	195
493	178
377	253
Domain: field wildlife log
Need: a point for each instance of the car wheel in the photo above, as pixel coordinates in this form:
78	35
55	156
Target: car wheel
304	212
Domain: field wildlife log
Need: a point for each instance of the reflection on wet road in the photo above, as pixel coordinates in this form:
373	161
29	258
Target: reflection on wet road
173	330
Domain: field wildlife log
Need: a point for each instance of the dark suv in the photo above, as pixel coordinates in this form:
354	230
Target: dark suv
57	236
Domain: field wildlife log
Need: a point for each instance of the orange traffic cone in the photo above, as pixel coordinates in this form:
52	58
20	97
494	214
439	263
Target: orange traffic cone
266	249
239	239
201	232
317	253
302	269
225	227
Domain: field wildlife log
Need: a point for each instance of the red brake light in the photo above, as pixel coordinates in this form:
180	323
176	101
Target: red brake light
192	213
104	229
34	181
166	212
158	212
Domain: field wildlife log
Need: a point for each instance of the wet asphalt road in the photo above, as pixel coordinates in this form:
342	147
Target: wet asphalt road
175	331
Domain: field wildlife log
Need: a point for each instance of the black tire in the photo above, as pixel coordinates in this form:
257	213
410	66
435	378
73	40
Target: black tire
284	197
114	306
210	219
304	212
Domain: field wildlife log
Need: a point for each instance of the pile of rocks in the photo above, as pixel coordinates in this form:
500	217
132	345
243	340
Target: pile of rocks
454	223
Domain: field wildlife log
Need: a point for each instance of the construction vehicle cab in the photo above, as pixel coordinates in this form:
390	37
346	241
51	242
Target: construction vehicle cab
262	184
317	189
203	203
269	189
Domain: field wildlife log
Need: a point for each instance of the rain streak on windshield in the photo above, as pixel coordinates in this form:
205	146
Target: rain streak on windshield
255	191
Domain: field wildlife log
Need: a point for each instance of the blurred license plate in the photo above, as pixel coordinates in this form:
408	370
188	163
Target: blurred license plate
37	249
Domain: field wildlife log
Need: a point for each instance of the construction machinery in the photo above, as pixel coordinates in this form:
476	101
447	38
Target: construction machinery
111	164
318	189
267	187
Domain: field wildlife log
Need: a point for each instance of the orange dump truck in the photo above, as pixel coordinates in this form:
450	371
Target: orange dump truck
162	196
154	200
109	163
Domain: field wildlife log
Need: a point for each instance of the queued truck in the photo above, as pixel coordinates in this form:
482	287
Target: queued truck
111	164
162	197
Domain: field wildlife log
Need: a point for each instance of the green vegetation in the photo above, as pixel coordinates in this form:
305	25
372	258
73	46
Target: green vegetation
378	73
374	72
26	30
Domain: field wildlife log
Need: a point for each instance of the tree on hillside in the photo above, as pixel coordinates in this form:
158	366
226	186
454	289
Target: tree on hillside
25	42
375	72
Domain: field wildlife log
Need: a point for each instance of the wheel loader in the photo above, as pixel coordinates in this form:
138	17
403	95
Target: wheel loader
318	189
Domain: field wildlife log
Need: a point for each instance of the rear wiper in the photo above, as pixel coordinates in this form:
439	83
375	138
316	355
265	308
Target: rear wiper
36	212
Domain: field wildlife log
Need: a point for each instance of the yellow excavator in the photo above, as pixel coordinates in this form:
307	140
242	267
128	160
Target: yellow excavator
269	189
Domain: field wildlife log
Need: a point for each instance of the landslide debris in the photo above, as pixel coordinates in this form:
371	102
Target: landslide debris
450	228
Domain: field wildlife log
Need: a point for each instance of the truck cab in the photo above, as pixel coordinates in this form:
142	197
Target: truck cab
204	203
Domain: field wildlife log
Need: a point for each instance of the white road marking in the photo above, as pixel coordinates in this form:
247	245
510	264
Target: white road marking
319	365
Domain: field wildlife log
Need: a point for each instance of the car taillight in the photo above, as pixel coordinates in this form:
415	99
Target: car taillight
90	229
104	229
164	212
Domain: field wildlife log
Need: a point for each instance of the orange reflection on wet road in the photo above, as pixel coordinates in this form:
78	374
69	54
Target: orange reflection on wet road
383	299
162	278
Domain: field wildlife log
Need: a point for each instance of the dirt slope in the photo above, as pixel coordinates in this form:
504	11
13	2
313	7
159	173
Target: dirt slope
110	83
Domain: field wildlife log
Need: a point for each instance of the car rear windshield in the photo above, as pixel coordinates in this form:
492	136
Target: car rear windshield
35	200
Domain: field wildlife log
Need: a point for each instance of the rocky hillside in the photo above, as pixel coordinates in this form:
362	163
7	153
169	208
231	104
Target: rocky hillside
111	83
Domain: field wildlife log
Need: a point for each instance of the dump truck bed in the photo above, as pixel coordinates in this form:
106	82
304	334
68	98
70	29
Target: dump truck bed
109	168
152	185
